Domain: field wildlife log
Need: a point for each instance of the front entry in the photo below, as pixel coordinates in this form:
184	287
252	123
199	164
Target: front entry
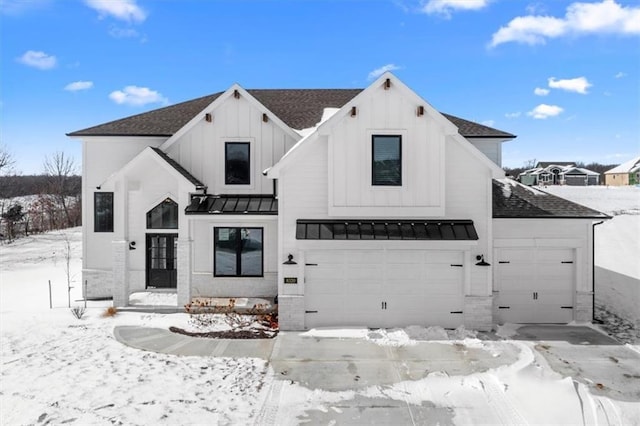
161	260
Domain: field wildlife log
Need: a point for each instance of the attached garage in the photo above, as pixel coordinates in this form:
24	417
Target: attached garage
535	285
383	288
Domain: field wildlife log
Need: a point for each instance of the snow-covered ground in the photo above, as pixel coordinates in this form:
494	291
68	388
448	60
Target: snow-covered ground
57	369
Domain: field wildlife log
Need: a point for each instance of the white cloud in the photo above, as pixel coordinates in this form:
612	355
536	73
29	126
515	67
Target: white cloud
580	18
18	7
513	114
79	85
137	96
118	32
578	85
620	75
544	111
38	59
379	71
489	123
446	7
540	91
124	10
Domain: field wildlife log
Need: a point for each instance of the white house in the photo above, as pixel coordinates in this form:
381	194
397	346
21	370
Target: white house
559	173
354	207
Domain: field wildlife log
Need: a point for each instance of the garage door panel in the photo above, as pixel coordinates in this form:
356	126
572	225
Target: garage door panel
364	272
535	284
384	287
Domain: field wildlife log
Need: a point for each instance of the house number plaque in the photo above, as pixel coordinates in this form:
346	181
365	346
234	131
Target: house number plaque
291	280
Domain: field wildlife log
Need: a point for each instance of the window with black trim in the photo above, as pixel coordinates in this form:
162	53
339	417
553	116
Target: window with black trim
386	160
163	216
237	252
103	211
237	164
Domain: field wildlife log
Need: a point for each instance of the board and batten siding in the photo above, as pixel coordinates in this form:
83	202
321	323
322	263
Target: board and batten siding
101	157
386	112
201	150
304	194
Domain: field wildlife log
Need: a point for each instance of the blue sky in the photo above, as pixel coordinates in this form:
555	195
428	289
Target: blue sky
562	75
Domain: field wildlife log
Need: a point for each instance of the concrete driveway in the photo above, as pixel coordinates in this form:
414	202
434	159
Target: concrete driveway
334	365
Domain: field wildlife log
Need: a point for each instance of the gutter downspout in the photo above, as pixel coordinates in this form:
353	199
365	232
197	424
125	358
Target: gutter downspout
593	269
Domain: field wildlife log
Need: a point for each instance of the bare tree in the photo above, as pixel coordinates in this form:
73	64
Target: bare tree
6	160
59	169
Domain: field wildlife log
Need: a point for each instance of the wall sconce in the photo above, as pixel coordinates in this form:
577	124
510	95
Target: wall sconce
236	94
420	111
132	245
208	118
387	84
481	261
265	118
353	111
290	260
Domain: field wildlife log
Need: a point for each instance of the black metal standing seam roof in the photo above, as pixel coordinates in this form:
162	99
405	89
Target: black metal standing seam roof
298	108
514	200
179	169
391	229
233	204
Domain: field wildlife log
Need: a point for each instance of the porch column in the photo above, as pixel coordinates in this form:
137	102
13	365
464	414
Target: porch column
184	271
120	250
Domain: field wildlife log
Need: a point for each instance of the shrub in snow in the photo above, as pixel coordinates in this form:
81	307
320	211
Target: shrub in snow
78	311
110	312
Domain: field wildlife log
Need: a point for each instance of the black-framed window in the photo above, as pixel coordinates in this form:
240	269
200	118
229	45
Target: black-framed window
237	164
386	160
238	252
163	216
103	211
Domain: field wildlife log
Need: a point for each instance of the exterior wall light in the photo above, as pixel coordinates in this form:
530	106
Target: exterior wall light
481	261
290	260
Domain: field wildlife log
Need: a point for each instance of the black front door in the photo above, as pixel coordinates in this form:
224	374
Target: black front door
161	260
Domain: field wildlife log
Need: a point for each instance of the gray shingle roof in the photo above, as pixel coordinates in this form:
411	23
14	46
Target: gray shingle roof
298	108
179	168
514	200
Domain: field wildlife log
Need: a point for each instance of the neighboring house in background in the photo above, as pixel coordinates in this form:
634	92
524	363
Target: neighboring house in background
625	174
354	207
559	173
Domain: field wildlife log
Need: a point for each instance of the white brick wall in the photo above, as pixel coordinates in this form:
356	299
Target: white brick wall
99	283
291	313
184	271
120	273
478	312
583	311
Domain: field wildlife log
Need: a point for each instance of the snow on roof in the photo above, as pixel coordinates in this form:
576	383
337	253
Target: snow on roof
625	167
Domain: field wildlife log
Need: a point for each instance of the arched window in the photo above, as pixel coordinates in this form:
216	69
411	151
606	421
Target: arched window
163	216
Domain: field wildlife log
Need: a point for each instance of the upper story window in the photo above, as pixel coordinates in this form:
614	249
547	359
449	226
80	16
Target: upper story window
386	161
163	216
237	167
103	211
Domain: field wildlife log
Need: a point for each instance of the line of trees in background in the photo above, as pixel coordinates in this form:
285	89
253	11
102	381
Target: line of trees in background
530	164
38	203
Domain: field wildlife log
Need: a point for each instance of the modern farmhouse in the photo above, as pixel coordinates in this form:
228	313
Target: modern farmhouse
354	207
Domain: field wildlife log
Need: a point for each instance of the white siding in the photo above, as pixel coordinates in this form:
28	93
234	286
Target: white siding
102	157
490	147
386	112
205	284
201	149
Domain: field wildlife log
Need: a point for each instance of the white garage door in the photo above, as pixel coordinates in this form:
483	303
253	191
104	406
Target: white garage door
383	288
536	285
